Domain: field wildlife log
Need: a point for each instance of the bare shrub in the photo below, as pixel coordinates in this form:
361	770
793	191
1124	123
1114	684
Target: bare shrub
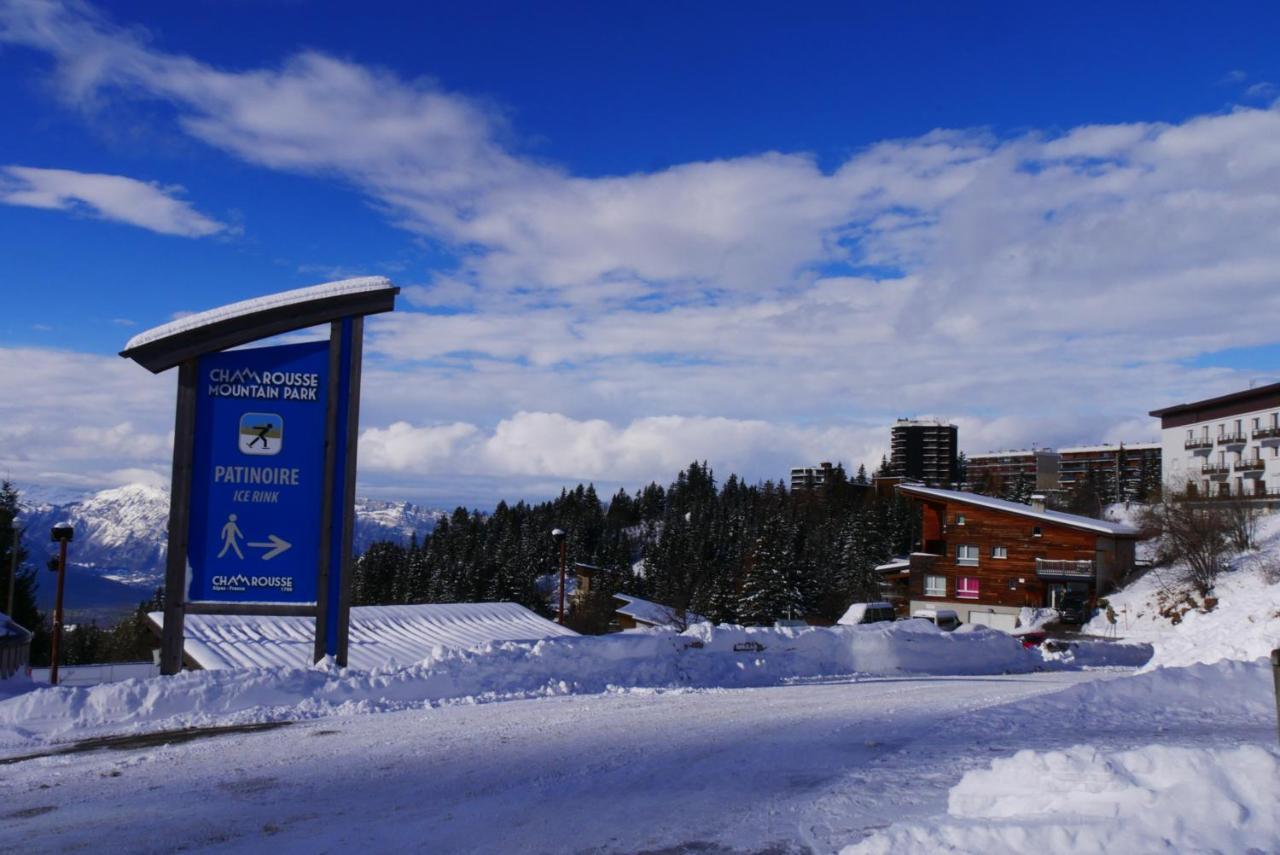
1197	534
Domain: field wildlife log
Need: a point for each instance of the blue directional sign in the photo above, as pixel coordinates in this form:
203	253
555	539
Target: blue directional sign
258	475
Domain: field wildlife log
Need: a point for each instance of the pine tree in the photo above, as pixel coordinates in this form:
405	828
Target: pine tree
25	611
771	589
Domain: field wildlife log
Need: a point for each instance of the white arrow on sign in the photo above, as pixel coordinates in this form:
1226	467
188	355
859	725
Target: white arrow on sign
274	548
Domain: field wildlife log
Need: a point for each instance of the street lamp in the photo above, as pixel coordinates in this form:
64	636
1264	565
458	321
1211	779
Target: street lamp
557	535
62	535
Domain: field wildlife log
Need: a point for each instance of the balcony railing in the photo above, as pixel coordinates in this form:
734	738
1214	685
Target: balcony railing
1215	469
1251	467
1231	439
1267	433
1058	568
1199	442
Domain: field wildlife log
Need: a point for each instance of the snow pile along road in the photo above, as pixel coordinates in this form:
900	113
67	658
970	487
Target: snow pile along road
702	657
1153	799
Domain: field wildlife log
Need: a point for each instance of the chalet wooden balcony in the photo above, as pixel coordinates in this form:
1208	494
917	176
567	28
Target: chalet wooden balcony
1232	439
1198	442
1212	469
1052	568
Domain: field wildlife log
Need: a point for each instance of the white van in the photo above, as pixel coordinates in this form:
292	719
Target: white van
859	613
945	619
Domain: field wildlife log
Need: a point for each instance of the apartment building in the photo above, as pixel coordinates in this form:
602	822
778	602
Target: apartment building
1037	466
810	477
1122	468
924	451
1224	446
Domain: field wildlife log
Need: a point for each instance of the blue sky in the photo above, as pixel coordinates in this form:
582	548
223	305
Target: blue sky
635	234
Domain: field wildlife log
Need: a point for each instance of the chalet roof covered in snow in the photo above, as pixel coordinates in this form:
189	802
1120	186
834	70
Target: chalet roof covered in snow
654	614
165	346
1058	517
379	634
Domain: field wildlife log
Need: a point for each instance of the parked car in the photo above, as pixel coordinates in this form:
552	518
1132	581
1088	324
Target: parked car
1074	609
860	613
944	619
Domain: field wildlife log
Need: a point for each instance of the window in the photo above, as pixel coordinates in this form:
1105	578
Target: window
999	552
967	554
967	587
1013	584
959	519
935	586
1035	531
1257	422
1191	434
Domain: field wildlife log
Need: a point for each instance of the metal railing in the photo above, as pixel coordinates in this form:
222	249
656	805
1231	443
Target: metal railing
1251	465
1064	567
1231	439
1200	442
1215	469
1267	433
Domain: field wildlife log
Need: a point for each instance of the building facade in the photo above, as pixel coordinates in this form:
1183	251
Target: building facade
1038	467
924	451
1227	446
1125	471
810	477
989	558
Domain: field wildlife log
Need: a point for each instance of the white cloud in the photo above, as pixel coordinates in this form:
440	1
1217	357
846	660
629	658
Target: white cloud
109	197
1047	288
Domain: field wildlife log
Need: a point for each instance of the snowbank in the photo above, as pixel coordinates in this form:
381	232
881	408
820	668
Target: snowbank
1088	653
704	656
1153	799
1244	624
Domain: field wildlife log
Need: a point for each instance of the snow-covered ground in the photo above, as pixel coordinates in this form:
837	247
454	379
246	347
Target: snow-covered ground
807	767
1244	623
702	657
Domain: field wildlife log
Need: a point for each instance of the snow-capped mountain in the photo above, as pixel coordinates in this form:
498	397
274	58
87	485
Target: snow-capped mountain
121	533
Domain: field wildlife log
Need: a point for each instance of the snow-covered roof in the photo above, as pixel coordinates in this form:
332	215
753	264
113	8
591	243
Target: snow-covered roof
895	564
161	348
9	628
379	634
1057	517
654	614
187	323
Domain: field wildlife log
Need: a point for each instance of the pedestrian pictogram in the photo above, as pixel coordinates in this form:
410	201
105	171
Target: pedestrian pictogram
231	534
261	433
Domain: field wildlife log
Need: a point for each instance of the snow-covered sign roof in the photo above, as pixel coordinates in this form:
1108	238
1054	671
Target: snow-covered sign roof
227	326
379	634
654	614
10	629
1057	517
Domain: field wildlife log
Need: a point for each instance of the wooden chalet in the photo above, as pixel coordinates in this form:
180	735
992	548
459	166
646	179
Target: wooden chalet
988	558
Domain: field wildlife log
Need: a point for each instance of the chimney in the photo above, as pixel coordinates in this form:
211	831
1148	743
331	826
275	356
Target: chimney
1037	503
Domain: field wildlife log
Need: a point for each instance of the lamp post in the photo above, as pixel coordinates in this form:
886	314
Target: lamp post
13	566
62	535
557	535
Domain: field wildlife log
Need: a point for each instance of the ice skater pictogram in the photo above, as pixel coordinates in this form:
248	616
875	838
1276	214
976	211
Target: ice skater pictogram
261	433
